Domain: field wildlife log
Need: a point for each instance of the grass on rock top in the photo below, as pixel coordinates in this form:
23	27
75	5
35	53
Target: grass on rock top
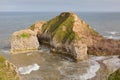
32	27
61	27
25	35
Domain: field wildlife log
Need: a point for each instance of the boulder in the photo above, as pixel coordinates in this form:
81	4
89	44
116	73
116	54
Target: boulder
24	41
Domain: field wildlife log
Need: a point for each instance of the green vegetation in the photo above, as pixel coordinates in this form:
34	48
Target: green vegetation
2	59
25	35
5	72
61	27
92	31
115	75
32	27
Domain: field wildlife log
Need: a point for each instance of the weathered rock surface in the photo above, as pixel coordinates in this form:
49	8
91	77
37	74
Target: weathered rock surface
63	33
69	35
24	41
7	70
37	26
105	47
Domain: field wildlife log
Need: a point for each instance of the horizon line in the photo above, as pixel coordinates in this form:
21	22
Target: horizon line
67	11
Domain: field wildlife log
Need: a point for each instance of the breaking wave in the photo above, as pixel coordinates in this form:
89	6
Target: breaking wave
82	71
113	63
28	69
112	32
112	37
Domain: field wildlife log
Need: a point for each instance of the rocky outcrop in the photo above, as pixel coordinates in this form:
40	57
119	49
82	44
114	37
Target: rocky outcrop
24	41
105	47
37	26
62	35
69	35
7	70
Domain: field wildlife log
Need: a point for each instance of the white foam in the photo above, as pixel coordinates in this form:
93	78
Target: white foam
113	63
5	51
112	37
109	37
97	58
112	32
28	54
41	50
90	73
28	69
44	50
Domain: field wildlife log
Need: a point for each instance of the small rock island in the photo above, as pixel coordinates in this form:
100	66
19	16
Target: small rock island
65	34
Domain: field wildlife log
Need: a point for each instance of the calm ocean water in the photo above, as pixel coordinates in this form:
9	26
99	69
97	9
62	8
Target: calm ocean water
42	65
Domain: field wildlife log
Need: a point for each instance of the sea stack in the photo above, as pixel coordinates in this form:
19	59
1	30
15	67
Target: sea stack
65	34
24	41
69	35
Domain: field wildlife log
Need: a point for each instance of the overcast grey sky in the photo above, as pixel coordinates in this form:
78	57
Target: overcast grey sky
60	5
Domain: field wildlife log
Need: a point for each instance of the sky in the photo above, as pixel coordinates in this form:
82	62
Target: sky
61	5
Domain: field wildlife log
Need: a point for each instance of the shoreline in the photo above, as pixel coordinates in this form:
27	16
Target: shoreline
98	59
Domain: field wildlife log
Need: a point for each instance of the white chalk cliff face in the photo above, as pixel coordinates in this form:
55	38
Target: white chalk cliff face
24	41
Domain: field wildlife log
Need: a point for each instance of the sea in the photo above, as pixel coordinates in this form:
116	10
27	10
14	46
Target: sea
42	65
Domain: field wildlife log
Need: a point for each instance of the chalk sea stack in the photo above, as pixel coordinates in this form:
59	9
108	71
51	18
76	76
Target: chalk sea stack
24	41
69	35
